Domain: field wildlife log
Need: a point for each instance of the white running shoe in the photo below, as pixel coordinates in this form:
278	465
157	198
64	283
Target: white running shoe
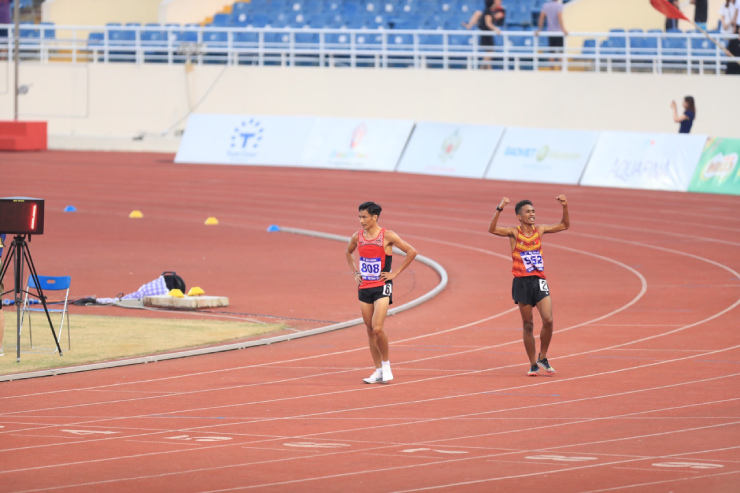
376	377
387	374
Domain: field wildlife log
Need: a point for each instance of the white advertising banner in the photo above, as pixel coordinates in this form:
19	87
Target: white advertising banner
644	160
450	149
350	143
542	155
244	139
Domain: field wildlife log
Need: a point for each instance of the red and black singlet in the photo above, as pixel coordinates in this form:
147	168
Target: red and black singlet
373	259
527	255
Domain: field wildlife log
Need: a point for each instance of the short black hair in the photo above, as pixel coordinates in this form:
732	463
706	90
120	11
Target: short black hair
520	204
371	207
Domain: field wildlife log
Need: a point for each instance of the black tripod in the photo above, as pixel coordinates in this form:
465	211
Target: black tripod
19	250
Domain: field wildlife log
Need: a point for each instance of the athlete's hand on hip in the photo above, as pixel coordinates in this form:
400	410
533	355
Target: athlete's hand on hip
388	276
563	201
503	203
358	278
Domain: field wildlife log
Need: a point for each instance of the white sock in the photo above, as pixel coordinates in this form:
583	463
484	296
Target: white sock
386	363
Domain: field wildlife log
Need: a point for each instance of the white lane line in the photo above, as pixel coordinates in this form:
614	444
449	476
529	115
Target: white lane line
665	481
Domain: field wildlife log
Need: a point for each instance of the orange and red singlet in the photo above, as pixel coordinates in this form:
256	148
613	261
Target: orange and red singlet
373	260
527	255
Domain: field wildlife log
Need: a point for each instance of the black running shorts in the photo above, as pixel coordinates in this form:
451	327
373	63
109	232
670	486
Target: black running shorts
371	295
529	290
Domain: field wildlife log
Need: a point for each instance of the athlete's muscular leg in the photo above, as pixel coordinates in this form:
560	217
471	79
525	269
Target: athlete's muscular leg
528	332
545	308
380	312
367	316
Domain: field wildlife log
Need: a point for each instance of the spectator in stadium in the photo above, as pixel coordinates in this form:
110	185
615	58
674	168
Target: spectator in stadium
552	11
728	17
700	13
490	19
689	113
733	67
5	18
672	23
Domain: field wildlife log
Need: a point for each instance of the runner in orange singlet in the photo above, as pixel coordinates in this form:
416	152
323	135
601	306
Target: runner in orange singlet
530	284
375	282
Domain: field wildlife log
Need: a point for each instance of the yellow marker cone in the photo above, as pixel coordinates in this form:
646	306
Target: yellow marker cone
211	221
136	215
196	291
176	293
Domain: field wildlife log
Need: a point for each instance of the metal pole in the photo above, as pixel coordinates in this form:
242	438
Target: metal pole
16	52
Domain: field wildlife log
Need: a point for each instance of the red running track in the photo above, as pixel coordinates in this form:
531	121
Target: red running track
645	289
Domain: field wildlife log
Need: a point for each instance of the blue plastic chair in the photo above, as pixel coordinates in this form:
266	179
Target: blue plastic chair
47	284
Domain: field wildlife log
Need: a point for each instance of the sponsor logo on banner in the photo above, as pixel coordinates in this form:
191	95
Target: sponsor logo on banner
371	144
718	170
450	146
355	150
720	167
542	155
646	161
246	138
450	149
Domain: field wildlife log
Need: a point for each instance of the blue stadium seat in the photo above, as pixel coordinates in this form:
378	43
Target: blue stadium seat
154	40
48	31
674	46
29	31
258	20
589	47
221	20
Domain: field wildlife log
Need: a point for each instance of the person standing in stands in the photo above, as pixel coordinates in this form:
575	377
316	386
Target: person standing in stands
672	23
689	113
5	18
374	279
490	19
700	13
733	67
728	17
552	11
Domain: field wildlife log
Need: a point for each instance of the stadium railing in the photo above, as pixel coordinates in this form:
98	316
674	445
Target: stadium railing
615	51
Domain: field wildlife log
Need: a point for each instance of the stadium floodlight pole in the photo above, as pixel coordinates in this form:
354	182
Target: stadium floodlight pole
16	53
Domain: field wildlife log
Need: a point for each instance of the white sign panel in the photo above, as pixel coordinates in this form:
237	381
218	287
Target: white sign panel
642	160
349	143
244	139
542	155
449	149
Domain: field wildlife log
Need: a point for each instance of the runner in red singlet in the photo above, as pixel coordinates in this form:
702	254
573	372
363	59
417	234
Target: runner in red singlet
530	284
375	282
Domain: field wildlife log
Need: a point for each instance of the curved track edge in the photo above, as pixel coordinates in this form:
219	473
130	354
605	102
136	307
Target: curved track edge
443	279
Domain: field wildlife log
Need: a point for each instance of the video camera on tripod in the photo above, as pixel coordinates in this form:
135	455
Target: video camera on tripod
21	217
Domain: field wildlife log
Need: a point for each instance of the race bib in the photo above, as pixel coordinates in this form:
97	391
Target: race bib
370	268
543	286
533	260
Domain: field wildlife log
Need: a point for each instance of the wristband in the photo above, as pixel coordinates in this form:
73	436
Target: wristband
499	209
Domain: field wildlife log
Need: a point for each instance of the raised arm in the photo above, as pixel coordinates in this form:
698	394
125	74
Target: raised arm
676	117
473	20
564	222
406	248
493	228
349	252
